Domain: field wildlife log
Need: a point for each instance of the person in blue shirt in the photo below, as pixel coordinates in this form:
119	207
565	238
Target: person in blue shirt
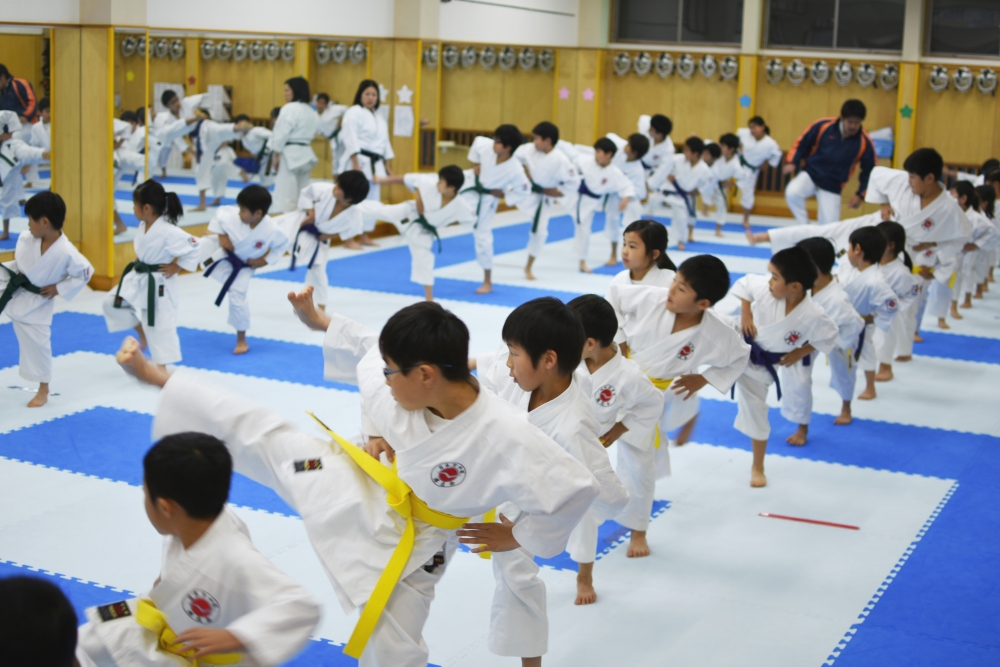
827	153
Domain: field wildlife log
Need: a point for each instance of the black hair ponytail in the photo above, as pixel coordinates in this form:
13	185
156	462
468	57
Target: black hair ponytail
163	203
654	237
987	200
895	235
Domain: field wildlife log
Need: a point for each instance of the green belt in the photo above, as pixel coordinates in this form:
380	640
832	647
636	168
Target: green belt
478	187
744	162
537	189
422	221
149	269
17	281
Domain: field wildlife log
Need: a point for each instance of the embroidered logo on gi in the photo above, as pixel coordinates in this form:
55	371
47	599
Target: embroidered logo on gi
308	464
192	240
258	245
110	612
606	396
686	352
891	305
915	290
603	181
201	607
928	253
447	475
792	337
928	224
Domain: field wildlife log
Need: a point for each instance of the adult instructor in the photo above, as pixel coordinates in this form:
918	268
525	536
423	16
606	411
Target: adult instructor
828	151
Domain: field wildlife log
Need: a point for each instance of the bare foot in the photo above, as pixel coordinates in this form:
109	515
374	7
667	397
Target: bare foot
242	347
133	362
942	324
680	246
41	398
585	593
968	303
245	176
684	435
528	274
844	419
638	547
216	202
917	338
485	288
366	240
584	268
351	244
904	358
718	231
955	314
757	478
200	207
306	311
800	436
4	236
867	395
884	373
611	262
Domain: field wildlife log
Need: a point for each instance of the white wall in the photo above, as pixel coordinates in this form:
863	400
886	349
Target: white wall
542	22
362	18
40	12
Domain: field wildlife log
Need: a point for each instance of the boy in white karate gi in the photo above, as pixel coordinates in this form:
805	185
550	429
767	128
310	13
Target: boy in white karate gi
554	180
796	381
257	140
494	176
45	264
783	326
673	333
623	401
41	137
436	205
247	240
329	127
970	269
458	450
534	370
598	180
721	159
628	158
326	211
37	623
177	109
661	149
216	598
215	157
686	173
14	153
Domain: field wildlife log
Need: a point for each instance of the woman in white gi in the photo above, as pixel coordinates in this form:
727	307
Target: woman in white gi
756	148
148	296
291	140
364	134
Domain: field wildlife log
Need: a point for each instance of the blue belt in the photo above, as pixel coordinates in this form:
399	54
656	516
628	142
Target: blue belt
762	357
861	343
237	264
584	190
686	196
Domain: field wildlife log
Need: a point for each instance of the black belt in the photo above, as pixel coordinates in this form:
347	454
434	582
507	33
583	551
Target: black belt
149	269
536	188
310	229
17	281
333	135
747	164
237	264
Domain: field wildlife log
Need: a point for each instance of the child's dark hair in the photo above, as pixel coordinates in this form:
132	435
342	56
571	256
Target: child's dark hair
164	203
925	161
547	324
796	266
426	333
300	89
695	145
757	120
44	103
654	237
46	204
140	114
853	109
872	242
661	124
968	190
324	97
989	165
730	140
192	469
453	176
993	176
895	236
354	184
606	145
167	97
822	252
275	112
241	117
365	85
597	316
707	275
987	200
37	624
547	130
639	143
254	198
714	150
509	136
128	117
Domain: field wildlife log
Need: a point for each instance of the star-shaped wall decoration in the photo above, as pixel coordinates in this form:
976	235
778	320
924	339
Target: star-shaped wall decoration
745	101
588	95
564	93
906	111
404	94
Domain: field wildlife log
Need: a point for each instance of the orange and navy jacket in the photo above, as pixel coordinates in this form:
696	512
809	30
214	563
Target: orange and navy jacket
830	158
19	97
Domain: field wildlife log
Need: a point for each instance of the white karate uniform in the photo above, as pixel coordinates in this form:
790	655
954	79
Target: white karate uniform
546	170
894	341
364	130
61	265
752	156
163	243
927	259
14	154
778	332
520	626
258	141
616	221
654	159
621	392
219	582
722	171
264	239
214	161
974	264
796	381
348	224
647	327
801	188
508	176
169	126
350	525
292	137
654	276
870	294
688	178
420	240
600	182
329	129
40	137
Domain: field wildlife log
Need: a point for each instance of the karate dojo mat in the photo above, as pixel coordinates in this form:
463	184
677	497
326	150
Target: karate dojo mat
916	473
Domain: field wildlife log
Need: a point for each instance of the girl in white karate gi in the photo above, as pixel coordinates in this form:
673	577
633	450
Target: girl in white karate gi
364	135
291	140
897	268
147	298
756	148
45	264
629	160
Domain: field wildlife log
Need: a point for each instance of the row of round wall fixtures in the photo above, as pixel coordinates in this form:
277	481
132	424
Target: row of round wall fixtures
963	78
489	57
340	52
664	65
819	72
162	48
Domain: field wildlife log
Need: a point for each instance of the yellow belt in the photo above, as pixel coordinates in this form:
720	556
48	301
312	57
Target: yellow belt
401	498
662	385
151	618
489	517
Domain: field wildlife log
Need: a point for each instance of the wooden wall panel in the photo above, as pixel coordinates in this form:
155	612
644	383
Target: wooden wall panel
961	126
66	98
22	54
96	195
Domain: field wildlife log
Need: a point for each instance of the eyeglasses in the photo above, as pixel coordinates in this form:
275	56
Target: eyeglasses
388	371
